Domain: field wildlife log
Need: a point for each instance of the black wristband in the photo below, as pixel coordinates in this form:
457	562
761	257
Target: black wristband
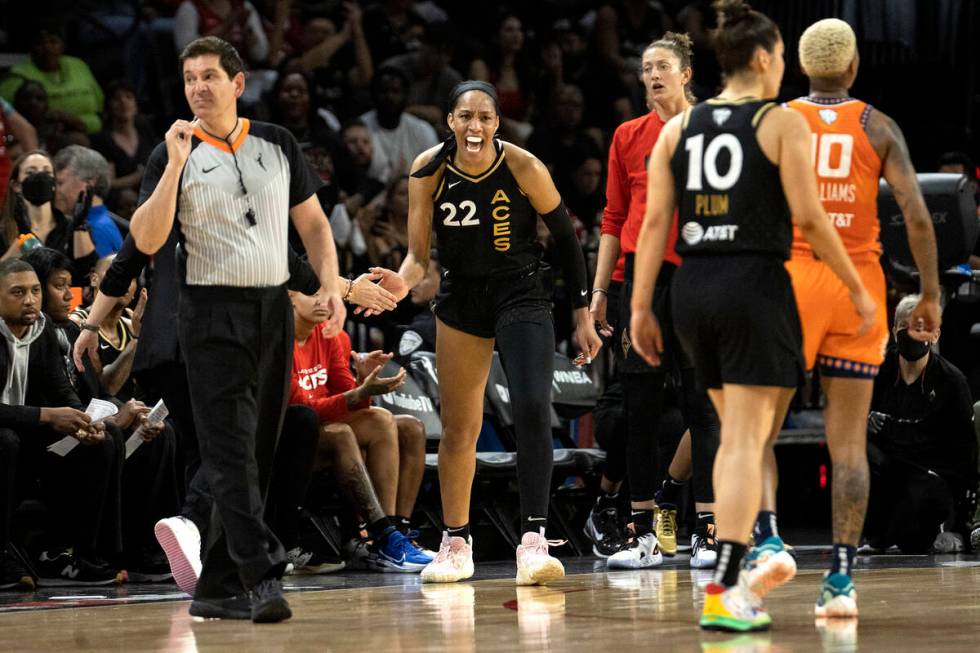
85	326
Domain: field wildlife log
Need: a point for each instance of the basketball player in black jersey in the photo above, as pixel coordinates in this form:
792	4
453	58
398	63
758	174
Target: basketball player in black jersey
729	165
483	197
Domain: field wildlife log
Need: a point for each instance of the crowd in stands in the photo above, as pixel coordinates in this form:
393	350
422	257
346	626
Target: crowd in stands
363	86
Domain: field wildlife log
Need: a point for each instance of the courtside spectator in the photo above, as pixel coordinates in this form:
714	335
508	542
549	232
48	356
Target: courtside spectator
394	447
83	186
922	448
80	489
430	75
30	219
24	138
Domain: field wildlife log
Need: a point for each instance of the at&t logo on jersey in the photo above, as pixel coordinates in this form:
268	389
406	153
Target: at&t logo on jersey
693	233
311	379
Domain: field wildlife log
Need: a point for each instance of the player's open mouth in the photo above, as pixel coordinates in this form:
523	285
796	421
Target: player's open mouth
656	87
473	143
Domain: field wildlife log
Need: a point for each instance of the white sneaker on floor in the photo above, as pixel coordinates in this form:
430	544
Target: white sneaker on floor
181	542
535	566
453	562
704	549
643	552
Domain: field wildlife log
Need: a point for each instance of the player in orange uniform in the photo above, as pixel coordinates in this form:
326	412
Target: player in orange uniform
853	146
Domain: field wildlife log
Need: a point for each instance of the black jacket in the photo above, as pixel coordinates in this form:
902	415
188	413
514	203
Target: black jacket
930	422
47	382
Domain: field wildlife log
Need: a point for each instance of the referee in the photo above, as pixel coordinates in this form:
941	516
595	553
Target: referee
232	186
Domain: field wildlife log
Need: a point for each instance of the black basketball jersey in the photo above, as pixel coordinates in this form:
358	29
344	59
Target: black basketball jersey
485	224
729	195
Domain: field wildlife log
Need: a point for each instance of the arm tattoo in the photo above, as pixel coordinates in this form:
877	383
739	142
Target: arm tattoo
356	484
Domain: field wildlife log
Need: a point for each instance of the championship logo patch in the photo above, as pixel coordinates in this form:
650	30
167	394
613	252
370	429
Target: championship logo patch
829	116
625	342
720	116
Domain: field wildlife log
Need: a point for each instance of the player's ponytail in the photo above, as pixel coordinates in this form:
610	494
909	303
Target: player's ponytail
740	31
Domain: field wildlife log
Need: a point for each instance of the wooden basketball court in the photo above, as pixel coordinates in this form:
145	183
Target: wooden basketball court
907	604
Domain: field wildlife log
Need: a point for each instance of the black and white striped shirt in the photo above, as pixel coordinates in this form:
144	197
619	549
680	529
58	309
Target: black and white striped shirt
217	238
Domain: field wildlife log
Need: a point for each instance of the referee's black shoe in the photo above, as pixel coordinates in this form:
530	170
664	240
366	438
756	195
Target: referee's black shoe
268	603
232	607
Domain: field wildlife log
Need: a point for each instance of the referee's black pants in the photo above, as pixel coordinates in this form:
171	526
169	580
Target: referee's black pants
237	345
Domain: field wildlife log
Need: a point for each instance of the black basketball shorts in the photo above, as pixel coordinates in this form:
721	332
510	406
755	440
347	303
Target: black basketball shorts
736	318
481	306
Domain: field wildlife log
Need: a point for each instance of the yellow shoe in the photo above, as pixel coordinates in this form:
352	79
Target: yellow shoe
733	609
666	531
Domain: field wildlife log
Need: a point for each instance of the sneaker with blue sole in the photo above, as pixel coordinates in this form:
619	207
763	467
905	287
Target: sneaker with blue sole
399	554
769	564
838	598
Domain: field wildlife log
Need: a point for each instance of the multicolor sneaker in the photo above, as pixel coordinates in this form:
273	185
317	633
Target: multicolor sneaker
181	541
734	609
838	598
453	562
769	565
398	554
308	563
666	529
641	553
704	549
535	566
603	529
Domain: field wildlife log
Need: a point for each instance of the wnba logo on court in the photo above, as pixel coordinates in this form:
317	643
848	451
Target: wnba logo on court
692	233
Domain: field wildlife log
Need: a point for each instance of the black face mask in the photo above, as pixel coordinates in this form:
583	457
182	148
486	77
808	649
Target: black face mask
38	188
910	348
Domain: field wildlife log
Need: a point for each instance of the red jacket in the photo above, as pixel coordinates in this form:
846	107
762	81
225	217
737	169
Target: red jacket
321	375
626	186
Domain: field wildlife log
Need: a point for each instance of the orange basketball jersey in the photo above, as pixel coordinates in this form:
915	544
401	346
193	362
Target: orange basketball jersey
848	169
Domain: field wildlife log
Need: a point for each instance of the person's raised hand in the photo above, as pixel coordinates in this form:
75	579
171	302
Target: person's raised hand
137	321
376	385
178	141
364	364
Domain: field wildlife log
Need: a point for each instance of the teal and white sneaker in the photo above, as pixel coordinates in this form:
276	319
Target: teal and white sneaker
838	598
769	565
399	555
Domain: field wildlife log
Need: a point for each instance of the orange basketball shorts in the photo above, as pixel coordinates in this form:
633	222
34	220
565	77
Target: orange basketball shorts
830	322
